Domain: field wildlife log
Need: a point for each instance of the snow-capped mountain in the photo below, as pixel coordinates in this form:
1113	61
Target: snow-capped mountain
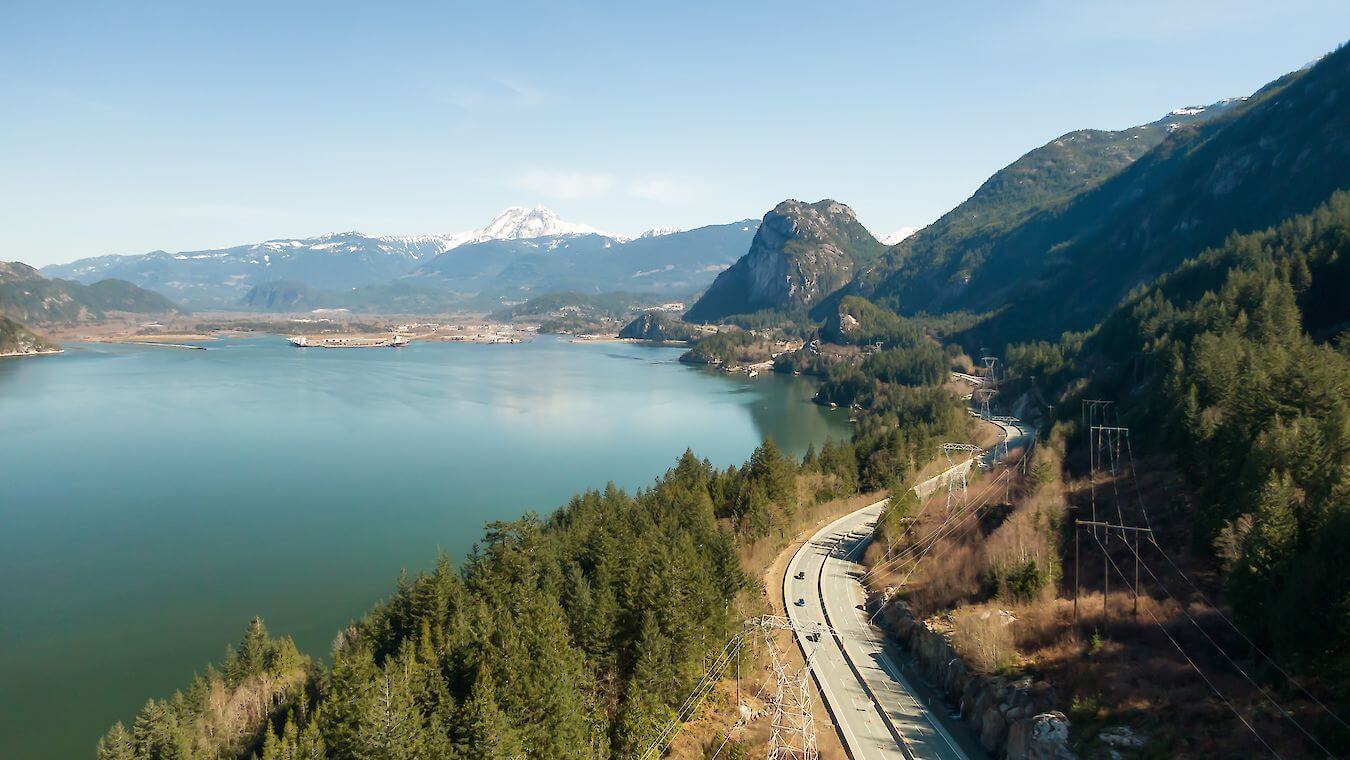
520	223
895	237
659	232
341	261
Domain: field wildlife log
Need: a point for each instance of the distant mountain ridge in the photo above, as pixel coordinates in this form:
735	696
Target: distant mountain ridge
365	271
27	296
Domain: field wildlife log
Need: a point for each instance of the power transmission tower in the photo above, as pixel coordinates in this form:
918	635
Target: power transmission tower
990	368
1092	411
983	396
950	477
792	729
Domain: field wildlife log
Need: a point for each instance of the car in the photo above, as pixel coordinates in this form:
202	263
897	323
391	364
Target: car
800	602
801	575
859	606
813	636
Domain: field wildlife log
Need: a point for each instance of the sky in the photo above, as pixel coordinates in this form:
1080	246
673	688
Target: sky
129	127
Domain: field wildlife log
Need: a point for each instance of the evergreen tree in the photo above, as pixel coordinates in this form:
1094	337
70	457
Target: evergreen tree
487	732
117	744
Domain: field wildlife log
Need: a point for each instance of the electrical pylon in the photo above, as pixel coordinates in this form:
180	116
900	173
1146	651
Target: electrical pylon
990	368
983	396
792	729
954	448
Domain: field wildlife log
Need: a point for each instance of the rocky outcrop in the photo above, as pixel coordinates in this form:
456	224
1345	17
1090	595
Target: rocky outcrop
801	253
657	327
1015	718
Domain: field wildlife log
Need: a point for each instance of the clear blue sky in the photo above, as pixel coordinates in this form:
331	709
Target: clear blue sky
128	127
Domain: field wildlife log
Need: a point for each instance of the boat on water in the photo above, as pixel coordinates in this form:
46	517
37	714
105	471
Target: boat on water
304	341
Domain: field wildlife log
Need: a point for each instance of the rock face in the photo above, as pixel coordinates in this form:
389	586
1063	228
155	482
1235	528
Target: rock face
655	326
1014	718
801	253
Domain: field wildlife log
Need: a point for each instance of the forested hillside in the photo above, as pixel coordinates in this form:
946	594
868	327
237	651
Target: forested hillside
1238	362
1281	152
27	296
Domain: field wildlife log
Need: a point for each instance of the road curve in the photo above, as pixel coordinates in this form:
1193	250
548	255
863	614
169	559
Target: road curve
871	699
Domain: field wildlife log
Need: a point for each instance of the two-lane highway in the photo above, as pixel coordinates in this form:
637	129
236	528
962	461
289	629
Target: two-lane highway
869	698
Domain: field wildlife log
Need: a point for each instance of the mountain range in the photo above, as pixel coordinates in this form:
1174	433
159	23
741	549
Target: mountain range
1056	239
520	252
27	296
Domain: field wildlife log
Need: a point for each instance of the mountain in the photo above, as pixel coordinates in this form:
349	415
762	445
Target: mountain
1039	181
677	263
892	238
342	262
219	278
27	296
17	340
518	222
655	326
1280	152
801	252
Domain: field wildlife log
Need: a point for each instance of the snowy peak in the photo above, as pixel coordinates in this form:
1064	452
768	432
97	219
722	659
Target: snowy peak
659	231
895	237
520	223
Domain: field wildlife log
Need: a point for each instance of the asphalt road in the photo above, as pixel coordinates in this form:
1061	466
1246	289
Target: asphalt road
870	699
879	710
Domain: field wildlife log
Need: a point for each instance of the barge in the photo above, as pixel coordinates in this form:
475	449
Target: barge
304	341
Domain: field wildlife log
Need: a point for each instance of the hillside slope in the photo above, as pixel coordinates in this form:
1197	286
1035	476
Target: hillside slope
1042	179
801	253
17	340
1280	152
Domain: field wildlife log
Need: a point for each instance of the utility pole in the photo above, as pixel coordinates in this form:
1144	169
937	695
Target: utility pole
1107	528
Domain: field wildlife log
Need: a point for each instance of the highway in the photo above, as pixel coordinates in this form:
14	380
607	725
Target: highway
871	699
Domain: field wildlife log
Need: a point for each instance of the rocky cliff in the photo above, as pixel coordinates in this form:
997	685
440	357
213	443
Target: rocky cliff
655	326
801	253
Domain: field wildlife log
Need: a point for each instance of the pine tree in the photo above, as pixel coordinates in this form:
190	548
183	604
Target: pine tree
117	744
487	732
156	734
392	728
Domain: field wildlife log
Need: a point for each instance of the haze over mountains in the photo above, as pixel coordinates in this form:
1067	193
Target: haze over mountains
529	249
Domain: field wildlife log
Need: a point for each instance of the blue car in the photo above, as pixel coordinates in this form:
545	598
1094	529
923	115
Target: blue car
800	602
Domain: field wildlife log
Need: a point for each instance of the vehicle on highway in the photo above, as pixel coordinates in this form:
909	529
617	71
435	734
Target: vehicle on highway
813	636
801	575
800	602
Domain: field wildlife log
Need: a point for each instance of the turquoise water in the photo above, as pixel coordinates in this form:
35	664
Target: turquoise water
152	499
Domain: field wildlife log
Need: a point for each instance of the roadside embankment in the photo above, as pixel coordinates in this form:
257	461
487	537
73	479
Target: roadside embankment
1015	718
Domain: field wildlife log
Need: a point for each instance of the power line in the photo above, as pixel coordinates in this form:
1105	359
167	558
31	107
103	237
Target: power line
1247	639
1188	659
1226	656
1134	475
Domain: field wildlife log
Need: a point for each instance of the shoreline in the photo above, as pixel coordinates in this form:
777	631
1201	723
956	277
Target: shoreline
21	354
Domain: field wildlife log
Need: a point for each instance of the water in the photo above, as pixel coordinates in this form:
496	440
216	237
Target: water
152	500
